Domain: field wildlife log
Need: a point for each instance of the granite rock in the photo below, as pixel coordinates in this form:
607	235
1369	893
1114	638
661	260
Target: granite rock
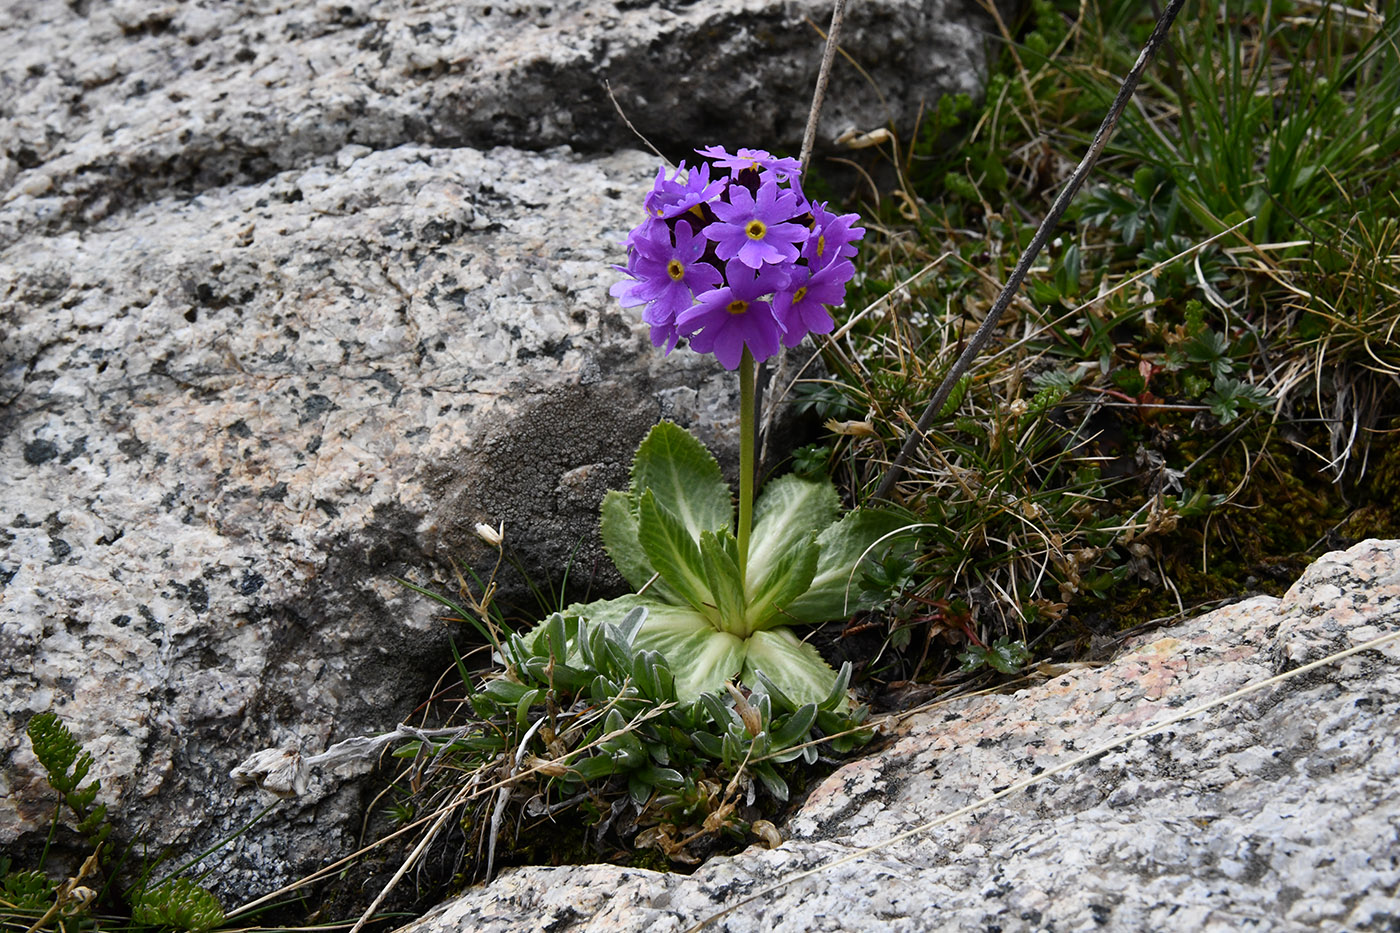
291	297
112	102
1277	811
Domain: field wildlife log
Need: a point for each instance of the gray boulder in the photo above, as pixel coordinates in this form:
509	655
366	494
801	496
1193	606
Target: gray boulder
292	296
1276	811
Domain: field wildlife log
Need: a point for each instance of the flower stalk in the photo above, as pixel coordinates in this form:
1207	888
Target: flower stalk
748	378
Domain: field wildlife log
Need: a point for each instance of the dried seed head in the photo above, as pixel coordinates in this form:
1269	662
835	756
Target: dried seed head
279	771
492	536
767	833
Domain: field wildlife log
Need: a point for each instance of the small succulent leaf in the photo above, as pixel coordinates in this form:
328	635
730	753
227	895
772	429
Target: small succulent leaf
643	676
653	677
515	651
719	712
673	552
790	509
594	767
710	745
568	678
618	528
700	657
604	690
666	681
779	699
792	665
632	623
638	789
771	781
505	692
626	751
522	707
663	777
725	585
835	592
794	730
554	640
837	698
786	579
685	479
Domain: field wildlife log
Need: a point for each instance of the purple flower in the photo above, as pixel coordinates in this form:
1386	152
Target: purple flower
752	158
736	315
673	197
756	230
832	237
742	261
668	276
800	307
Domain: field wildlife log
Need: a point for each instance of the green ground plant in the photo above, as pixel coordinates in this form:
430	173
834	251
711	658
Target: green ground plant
1198	388
32	900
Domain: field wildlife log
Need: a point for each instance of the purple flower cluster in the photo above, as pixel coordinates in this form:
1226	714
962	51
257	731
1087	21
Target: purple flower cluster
740	259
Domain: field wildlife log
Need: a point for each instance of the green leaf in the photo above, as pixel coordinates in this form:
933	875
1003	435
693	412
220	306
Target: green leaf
685	479
794	667
790	510
505	692
673	552
722	575
522	707
618	526
795	728
27	891
786	580
835	592
709	744
771	781
590	769
177	904
700	657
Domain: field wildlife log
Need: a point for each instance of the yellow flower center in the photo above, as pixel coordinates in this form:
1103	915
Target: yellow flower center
675	270
821	245
798	295
756	229
737	306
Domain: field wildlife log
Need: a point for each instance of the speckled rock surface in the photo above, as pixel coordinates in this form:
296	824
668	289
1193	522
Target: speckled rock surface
1280	811
104	102
294	294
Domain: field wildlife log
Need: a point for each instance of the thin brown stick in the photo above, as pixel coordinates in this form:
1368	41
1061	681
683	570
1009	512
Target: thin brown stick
764	421
1042	236
809	136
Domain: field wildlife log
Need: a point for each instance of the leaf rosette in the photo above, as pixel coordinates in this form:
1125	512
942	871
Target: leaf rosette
712	615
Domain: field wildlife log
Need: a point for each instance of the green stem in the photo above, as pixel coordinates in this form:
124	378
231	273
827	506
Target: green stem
747	379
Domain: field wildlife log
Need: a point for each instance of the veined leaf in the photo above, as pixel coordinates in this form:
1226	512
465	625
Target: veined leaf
700	657
790	509
618	526
685	479
835	591
673	552
785	580
722	574
794	666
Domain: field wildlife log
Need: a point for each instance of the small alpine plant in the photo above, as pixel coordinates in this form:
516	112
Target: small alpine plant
735	260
